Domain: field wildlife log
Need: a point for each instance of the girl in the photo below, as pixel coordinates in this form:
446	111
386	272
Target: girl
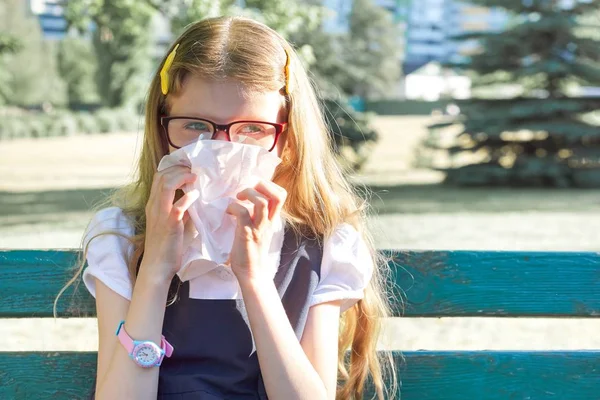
236	332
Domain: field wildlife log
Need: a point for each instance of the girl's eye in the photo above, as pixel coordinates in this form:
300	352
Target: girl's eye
250	128
198	126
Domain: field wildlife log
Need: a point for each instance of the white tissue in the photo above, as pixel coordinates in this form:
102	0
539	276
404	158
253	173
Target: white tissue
224	169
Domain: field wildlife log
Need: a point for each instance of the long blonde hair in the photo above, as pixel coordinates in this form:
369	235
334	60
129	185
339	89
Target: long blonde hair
319	196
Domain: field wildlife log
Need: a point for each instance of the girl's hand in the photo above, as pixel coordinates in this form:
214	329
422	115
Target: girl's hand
165	222
254	229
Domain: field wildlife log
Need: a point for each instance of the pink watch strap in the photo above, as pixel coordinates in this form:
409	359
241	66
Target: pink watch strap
166	346
124	338
127	341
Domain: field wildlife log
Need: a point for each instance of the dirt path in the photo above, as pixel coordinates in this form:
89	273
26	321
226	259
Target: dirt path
64	163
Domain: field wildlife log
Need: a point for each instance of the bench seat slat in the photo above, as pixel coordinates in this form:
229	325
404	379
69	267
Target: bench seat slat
501	375
436	283
482	375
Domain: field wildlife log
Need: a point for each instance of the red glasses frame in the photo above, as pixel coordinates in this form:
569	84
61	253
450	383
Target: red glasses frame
164	122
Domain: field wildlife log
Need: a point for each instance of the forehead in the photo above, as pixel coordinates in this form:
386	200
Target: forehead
224	101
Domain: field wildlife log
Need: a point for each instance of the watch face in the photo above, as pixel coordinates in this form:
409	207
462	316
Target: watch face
146	354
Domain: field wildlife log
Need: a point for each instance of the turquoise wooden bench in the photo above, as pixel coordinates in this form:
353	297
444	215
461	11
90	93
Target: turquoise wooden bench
437	284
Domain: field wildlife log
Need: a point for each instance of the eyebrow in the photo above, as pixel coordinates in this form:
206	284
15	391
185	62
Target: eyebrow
224	121
243	117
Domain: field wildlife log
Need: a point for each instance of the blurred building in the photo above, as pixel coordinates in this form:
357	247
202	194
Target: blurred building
51	16
427	27
433	82
426	31
431	25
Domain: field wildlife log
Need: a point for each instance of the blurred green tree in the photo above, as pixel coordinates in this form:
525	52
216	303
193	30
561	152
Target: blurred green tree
28	68
8	45
78	65
121	32
352	133
325	54
331	58
528	122
285	16
372	50
328	66
181	13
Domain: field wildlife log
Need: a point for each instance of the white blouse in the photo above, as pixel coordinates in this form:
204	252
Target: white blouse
346	266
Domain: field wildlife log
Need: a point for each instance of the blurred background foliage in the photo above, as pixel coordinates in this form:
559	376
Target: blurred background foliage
528	120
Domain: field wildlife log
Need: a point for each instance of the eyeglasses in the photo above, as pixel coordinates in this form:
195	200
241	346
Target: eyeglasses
181	131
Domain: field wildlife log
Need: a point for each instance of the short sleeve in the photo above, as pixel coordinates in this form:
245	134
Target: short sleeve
346	268
107	254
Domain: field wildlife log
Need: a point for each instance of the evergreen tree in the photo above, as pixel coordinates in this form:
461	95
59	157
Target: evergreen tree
528	123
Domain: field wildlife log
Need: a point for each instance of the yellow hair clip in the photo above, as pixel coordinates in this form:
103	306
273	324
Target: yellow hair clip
164	72
288	86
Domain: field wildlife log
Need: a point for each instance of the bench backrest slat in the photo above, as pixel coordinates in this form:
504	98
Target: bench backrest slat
437	283
499	283
482	375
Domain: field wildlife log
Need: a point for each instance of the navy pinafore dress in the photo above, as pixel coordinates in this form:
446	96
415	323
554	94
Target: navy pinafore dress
214	356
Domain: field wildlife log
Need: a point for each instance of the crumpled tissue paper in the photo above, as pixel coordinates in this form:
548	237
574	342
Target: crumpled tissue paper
224	169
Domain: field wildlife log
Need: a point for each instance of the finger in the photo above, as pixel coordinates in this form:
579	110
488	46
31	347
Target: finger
169	184
276	195
158	180
261	206
241	213
181	206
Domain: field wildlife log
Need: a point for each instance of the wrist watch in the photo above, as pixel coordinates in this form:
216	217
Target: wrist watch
144	353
